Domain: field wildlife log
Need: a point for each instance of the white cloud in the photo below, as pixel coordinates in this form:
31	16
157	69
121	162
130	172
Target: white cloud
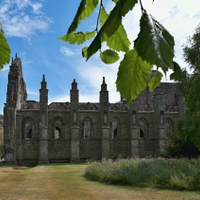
23	18
91	74
37	8
5	67
67	52
33	93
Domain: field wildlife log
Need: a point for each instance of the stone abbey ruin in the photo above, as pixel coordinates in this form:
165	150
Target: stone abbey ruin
36	133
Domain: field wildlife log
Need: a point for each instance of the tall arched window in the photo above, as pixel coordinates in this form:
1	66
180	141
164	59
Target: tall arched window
143	128
169	126
88	128
28	128
115	128
57	133
58	128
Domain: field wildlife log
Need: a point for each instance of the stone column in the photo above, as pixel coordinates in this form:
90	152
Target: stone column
159	112
134	129
135	134
9	136
162	132
74	98
43	116
19	140
104	116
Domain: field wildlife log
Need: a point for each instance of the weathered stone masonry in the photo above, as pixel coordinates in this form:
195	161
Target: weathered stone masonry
37	133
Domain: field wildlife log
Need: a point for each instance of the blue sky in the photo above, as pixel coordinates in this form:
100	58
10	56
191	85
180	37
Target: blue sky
33	26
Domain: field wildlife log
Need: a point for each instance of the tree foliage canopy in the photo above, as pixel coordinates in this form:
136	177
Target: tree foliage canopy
4	49
190	83
186	142
154	45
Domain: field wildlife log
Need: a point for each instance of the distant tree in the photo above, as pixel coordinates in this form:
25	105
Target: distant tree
154	45
4	49
187	140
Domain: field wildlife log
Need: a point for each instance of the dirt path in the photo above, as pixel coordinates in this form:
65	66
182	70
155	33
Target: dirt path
52	182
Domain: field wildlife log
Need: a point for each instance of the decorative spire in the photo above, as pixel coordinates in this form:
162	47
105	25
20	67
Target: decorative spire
16	55
12	60
104	80
104	85
74	85
43	83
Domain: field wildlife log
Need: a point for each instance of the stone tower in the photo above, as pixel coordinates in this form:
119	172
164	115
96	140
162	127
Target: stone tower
16	96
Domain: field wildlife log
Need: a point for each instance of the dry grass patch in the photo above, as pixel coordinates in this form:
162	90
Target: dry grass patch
66	181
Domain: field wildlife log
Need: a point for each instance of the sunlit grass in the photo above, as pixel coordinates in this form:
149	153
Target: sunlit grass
67	182
154	173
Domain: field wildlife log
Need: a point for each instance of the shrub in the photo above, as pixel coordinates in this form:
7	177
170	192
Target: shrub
180	144
175	174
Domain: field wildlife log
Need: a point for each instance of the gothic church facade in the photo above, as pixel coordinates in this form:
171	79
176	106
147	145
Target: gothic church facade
36	133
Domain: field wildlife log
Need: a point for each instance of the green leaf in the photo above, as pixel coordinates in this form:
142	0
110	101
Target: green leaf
111	25
155	81
154	43
78	38
103	16
84	52
176	75
85	9
119	40
4	51
133	75
109	56
90	5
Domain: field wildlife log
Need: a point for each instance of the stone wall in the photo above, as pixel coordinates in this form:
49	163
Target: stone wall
74	131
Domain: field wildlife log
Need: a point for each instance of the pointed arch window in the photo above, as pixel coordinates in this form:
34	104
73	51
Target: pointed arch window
143	128
57	133
28	128
115	128
58	128
88	127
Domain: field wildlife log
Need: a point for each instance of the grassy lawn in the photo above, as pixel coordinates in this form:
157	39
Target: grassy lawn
66	181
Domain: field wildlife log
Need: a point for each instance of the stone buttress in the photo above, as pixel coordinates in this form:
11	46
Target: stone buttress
159	113
43	126
74	99
104	116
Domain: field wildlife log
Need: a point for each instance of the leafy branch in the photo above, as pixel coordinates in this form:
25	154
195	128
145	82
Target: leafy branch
101	5
4	49
154	45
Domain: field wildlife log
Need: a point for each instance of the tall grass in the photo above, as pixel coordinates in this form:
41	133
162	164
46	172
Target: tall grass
154	173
